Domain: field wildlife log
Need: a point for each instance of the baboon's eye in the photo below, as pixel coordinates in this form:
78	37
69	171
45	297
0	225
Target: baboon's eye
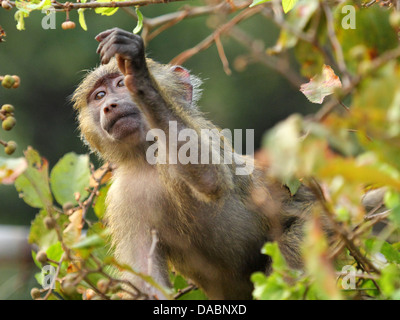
99	95
121	83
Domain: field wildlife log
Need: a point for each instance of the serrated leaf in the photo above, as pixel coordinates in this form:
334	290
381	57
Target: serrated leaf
71	174
321	85
33	184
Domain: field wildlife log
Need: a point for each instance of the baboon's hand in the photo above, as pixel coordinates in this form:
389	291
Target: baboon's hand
126	46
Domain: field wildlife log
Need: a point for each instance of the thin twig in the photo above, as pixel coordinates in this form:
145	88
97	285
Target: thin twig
337	48
182	292
340	230
207	42
278	64
222	56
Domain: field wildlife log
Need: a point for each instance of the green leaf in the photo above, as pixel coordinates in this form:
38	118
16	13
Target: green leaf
257	2
298	20
82	21
391	199
100	206
106	11
390	253
28	6
92	241
272	287
71	174
288	5
55	251
39	234
19	16
278	261
139	25
180	283
33	184
293	184
389	281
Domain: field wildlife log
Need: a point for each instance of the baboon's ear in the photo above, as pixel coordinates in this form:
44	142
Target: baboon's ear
184	75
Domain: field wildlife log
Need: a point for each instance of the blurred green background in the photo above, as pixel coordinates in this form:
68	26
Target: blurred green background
50	64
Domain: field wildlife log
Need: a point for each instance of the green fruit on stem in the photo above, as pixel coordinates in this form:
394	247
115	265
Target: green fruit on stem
8	82
41	257
7	108
68	288
35	293
9	123
49	222
10	148
67	206
17	81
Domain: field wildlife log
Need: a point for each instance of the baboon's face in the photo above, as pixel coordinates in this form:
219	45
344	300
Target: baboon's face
111	106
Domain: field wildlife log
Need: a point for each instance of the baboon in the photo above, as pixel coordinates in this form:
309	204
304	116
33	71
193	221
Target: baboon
211	222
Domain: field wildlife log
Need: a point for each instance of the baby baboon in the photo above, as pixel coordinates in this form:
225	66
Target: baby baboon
210	221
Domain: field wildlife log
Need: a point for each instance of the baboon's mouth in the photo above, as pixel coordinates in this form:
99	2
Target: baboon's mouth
119	117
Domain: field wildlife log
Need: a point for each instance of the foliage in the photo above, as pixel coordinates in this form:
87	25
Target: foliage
348	147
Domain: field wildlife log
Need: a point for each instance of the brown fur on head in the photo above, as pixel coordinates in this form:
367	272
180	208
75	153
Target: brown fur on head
172	81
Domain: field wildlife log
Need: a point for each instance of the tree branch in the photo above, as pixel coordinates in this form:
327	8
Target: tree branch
207	42
67	6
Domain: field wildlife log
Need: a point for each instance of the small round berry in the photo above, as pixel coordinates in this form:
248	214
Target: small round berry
10	148
67	206
9	123
68	25
7	108
8	81
41	257
17	82
49	222
35	293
